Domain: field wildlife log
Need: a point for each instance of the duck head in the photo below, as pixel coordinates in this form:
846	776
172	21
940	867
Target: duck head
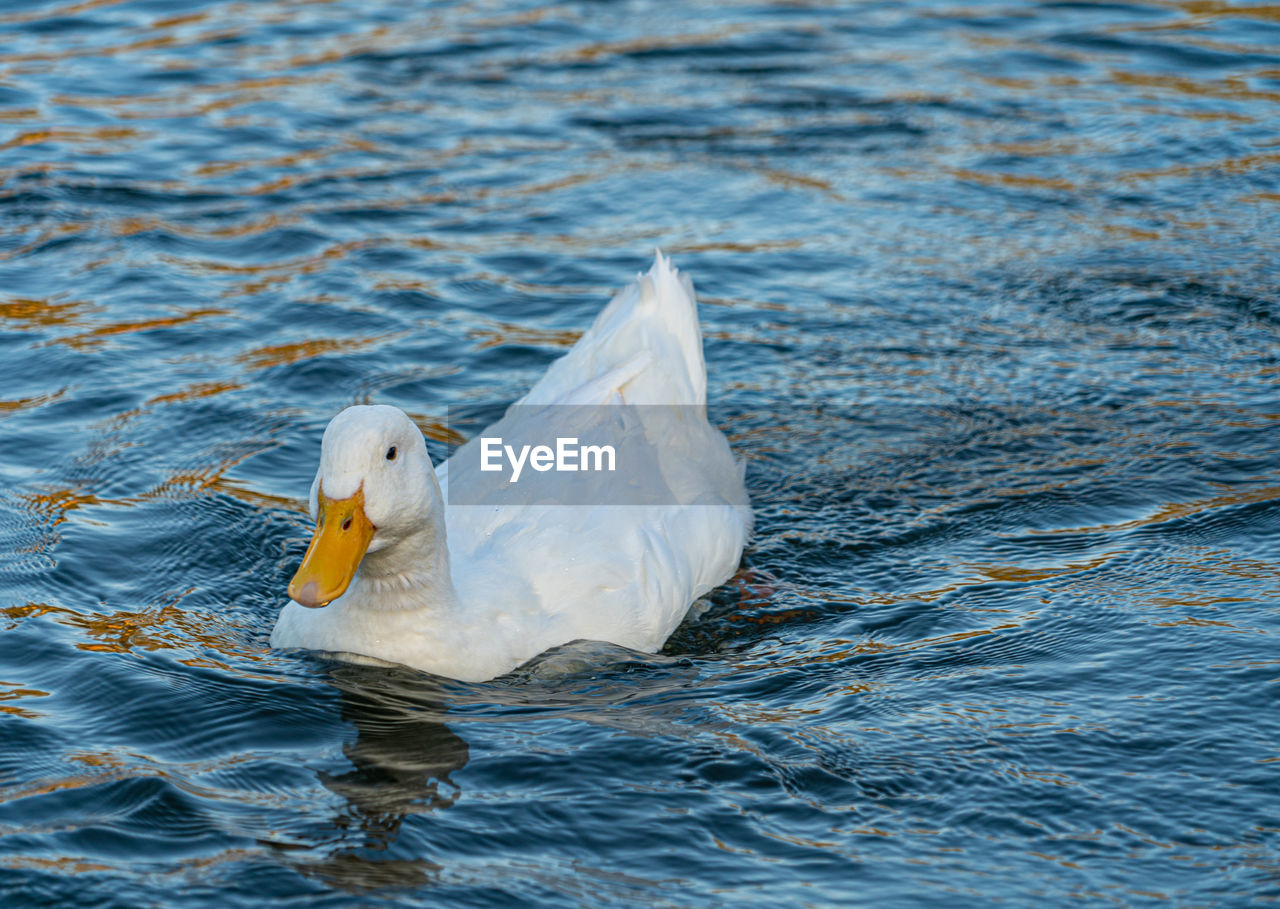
375	488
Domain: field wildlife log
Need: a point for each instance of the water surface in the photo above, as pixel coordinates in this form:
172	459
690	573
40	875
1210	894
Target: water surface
990	303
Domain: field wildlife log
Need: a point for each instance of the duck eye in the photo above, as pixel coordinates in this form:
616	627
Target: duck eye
391	453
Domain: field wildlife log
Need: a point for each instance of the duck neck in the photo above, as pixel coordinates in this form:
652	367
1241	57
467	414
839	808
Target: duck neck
412	573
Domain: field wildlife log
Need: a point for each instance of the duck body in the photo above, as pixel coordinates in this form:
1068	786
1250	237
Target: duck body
457	571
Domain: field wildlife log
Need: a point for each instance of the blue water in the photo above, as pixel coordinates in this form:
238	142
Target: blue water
990	296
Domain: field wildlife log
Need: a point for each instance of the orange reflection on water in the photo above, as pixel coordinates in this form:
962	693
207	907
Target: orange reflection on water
167	627
195	392
98	334
300	265
55	504
849	649
1175	510
63	864
1014	181
21	113
1243	164
499	334
190	101
1225	562
709	37
12	692
29	312
285	354
108	134
1207	623
1019	574
32	402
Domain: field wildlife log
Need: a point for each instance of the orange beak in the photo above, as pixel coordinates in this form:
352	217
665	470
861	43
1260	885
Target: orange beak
341	537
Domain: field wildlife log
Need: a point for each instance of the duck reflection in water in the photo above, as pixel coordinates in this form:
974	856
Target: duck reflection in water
402	759
404	755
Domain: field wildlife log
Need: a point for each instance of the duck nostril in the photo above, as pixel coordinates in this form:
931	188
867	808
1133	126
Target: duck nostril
346	525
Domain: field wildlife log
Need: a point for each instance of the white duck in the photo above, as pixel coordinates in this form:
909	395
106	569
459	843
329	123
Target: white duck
471	591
